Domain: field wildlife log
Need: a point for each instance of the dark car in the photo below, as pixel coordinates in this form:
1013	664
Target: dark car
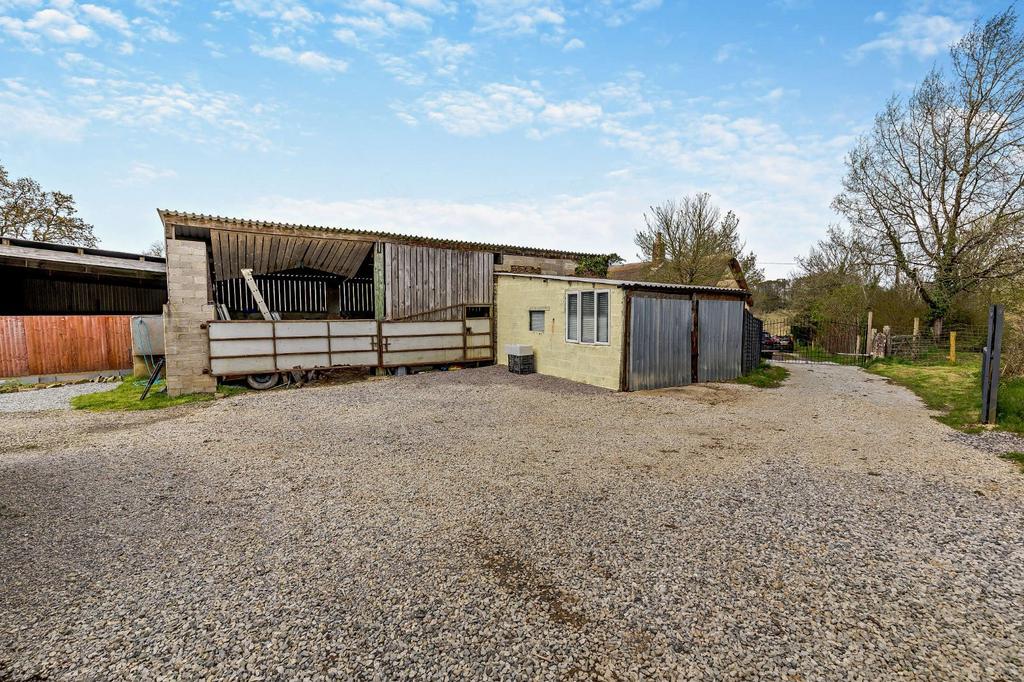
769	342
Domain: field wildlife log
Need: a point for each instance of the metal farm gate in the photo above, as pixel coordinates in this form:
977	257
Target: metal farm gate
675	341
243	347
823	342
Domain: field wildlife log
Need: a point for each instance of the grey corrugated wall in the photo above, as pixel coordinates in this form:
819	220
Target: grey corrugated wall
659	342
719	340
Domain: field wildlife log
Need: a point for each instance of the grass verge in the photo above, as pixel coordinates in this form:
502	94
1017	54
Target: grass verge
955	391
765	376
1015	457
126	397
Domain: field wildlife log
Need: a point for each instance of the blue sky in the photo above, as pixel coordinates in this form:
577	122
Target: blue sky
537	122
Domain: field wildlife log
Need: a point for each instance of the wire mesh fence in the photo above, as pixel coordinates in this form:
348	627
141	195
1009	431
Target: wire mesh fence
958	344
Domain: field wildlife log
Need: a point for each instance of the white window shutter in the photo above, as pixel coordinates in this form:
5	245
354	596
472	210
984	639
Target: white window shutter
536	320
572	332
587	318
602	317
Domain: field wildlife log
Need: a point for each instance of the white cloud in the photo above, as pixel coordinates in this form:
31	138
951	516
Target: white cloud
290	14
616	12
52	24
445	56
401	69
34	112
307	59
497	107
144	174
375	18
185	111
519	16
570	114
918	34
573	222
108	17
729	51
573	44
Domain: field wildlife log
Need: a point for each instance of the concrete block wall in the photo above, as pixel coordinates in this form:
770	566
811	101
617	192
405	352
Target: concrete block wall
188	308
597	364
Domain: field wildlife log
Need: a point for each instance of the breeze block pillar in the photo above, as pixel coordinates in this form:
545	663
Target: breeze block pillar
186	312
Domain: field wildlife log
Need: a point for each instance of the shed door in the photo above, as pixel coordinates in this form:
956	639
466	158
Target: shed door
719	340
659	342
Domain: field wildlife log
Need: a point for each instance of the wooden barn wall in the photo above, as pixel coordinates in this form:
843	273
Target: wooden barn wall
33	295
59	344
427	283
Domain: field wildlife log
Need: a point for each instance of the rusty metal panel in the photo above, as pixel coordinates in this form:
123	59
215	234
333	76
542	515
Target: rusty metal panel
720	340
659	342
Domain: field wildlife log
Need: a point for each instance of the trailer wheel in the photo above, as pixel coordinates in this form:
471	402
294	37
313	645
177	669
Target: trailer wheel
261	382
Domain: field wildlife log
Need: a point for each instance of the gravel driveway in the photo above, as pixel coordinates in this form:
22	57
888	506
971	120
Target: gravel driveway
56	398
479	524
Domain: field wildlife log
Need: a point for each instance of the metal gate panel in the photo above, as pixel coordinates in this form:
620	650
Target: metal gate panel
659	342
719	340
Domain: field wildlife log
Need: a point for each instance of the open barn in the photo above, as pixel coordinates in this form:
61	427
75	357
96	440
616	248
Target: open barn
336	297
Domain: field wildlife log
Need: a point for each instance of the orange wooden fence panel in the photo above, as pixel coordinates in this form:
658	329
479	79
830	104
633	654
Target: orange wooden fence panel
59	344
13	348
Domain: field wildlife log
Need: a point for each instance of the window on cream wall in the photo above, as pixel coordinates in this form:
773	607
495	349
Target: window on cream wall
537	320
586	317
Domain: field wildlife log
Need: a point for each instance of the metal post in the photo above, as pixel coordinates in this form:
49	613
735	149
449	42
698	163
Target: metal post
990	366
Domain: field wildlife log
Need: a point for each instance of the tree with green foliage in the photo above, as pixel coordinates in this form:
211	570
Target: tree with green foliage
29	212
935	191
596	266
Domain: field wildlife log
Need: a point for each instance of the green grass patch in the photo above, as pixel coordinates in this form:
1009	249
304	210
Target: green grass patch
1015	457
955	391
126	397
765	376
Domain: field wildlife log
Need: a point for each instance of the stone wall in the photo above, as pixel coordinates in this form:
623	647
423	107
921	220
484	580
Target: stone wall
187	309
597	364
536	264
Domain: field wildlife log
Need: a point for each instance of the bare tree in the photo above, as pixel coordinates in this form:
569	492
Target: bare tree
691	242
28	212
155	249
936	189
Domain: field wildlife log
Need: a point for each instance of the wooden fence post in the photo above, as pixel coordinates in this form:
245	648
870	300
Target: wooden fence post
952	347
990	366
871	332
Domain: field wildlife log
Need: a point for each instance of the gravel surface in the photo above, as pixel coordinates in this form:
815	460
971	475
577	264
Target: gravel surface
478	524
997	442
56	398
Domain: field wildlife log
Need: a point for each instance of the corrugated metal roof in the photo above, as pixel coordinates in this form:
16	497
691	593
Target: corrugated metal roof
626	284
20	249
192	219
